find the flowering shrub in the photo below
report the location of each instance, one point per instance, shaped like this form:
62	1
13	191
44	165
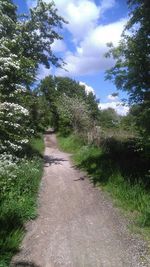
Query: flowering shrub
12	171
13	127
19	182
14	116
25	43
73	115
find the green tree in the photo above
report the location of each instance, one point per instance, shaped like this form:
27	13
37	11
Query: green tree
128	123
24	44
74	115
109	118
13	133
36	34
131	71
74	90
47	91
92	103
56	88
70	87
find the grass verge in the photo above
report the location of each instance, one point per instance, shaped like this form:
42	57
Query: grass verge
19	185
70	144
120	174
37	144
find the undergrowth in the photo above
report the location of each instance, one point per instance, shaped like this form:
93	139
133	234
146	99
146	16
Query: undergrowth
119	169
37	144
70	144
19	183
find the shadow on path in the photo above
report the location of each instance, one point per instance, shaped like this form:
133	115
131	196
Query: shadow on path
25	264
52	160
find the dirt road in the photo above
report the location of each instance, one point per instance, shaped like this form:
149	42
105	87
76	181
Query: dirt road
77	225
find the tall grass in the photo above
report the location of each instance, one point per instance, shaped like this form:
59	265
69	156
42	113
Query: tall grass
70	144
37	144
118	168
131	197
18	201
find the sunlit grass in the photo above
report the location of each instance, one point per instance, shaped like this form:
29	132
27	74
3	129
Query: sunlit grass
111	170
70	144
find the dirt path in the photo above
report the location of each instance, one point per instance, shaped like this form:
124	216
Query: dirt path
77	225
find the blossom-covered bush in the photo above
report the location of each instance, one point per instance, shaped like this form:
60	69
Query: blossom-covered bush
25	42
13	131
13	115
74	115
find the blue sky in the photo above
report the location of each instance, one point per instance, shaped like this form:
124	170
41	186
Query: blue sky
91	25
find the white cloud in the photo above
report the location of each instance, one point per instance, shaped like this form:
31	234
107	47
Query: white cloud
89	55
89	36
103	34
31	3
58	46
112	98
77	66
88	89
107	4
119	107
82	15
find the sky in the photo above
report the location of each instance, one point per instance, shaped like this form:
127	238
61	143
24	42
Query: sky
92	24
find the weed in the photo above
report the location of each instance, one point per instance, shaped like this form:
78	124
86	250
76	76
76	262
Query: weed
70	144
37	144
19	188
120	169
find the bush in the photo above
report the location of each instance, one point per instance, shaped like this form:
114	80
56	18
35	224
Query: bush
19	183
70	144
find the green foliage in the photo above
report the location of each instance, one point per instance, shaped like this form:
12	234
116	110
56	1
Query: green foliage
74	115
19	183
120	127
40	114
92	103
70	87
120	168
37	145
71	108
71	144
40	32
131	197
141	115
128	123
25	42
131	71
10	244
19	186
108	118
48	94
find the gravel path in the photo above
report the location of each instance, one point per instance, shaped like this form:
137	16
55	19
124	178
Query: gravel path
77	224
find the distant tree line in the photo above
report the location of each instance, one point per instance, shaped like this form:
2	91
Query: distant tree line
62	102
